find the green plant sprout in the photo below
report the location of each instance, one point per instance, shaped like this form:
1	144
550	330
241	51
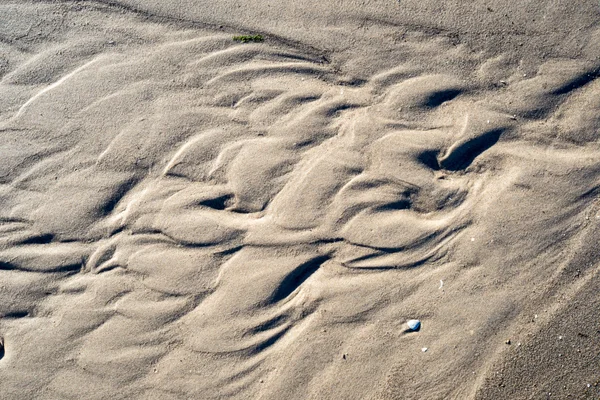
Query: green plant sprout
248	38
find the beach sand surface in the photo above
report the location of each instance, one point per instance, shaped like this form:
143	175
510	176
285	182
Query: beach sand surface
188	216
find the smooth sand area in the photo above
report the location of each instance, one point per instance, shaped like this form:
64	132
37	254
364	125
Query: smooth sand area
188	216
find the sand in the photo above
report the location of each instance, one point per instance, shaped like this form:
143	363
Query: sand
185	216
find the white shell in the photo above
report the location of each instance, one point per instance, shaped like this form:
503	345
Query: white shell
413	324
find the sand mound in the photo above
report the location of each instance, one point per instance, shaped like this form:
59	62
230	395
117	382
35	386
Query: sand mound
188	216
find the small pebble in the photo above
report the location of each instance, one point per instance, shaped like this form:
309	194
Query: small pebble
424	349
413	324
507	341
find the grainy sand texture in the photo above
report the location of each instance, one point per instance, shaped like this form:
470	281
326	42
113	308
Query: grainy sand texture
187	216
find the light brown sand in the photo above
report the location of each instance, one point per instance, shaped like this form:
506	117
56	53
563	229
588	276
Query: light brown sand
188	217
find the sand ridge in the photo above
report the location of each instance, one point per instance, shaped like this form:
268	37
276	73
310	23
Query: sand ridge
185	216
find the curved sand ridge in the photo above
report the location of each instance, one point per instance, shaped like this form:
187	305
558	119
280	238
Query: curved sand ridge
185	216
